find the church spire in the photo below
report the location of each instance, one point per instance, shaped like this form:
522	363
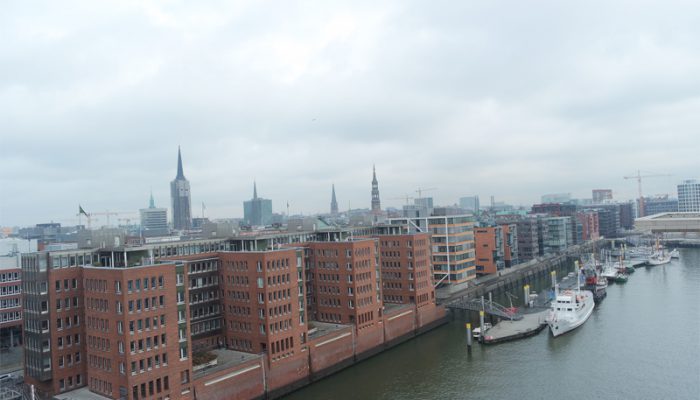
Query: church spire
334	202
376	205
180	174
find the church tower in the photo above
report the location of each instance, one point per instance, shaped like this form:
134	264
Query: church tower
376	205
180	196
334	202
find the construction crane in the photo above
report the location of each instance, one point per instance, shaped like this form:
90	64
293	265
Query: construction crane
639	177
107	214
407	198
421	190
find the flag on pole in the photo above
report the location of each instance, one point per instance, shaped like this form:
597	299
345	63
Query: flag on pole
81	211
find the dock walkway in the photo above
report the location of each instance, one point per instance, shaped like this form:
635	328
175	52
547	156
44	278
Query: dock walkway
530	325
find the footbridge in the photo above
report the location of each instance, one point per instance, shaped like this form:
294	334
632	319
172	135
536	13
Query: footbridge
488	307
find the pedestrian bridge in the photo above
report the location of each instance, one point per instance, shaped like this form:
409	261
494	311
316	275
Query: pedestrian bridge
489	307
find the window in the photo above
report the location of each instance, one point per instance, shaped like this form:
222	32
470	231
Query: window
130	285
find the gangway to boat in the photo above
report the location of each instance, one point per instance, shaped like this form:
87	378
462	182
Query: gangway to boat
489	307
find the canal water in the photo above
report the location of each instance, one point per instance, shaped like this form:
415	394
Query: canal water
642	342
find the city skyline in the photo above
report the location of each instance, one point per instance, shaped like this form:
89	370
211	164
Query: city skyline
308	97
279	206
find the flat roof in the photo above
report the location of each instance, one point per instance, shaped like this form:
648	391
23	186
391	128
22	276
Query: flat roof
225	359
393	307
324	328
670	216
80	394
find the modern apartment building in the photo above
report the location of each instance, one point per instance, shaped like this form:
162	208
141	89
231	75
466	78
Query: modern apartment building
602	195
489	246
689	196
496	248
452	239
588	220
659	204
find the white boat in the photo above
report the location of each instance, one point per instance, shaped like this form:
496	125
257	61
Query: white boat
675	253
570	309
659	258
477	331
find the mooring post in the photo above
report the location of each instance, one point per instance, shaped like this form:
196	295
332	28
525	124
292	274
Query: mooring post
469	336
526	288
481	321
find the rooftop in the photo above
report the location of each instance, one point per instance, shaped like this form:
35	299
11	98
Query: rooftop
225	359
80	394
323	328
671	216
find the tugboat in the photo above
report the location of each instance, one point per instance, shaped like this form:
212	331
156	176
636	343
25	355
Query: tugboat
621	277
595	283
570	309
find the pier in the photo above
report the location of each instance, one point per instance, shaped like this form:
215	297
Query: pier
504	331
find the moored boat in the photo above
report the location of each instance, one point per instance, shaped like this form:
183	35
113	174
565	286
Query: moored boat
659	258
621	277
569	309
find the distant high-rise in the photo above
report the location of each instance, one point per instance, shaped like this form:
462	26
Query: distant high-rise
257	211
556	198
470	203
376	204
181	200
154	221
689	196
601	195
334	202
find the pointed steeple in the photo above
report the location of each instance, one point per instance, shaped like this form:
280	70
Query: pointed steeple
376	204
151	202
180	174
334	202
255	190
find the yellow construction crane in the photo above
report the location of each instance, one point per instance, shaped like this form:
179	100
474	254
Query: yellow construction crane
639	177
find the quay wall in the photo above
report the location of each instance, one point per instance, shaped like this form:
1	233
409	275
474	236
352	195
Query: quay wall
321	357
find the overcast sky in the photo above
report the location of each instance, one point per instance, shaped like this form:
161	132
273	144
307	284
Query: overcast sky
507	98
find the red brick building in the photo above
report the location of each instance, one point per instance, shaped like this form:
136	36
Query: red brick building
272	319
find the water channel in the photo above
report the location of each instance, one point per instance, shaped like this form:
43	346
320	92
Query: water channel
642	342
